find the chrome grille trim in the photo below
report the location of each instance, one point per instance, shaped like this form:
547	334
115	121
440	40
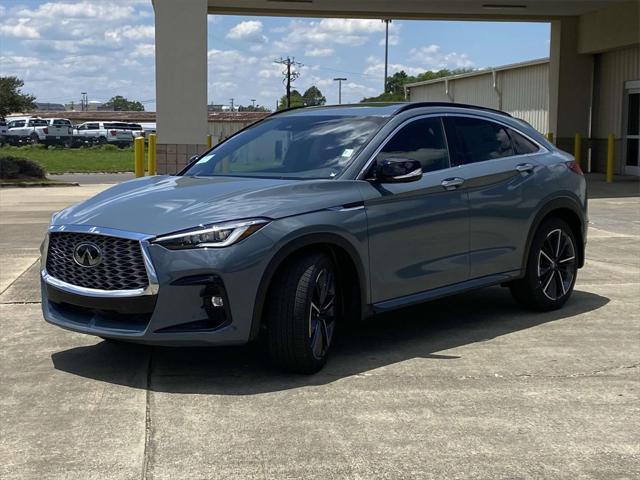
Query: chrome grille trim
143	239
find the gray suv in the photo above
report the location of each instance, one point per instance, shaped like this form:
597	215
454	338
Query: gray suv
318	216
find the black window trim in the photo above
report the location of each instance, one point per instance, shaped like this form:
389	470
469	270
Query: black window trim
362	175
541	148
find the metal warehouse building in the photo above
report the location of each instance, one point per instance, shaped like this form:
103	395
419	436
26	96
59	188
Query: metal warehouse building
592	84
522	89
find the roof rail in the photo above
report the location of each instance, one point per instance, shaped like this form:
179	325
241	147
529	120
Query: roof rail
410	105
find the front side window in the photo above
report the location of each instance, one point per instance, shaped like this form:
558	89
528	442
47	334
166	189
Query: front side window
290	147
61	122
422	140
92	126
17	124
477	140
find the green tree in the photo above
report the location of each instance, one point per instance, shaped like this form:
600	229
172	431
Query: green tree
12	99
296	100
397	81
313	96
121	104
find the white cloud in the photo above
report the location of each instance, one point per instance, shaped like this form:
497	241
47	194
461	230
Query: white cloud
249	30
393	41
144	50
431	57
105	10
130	32
319	52
334	31
22	29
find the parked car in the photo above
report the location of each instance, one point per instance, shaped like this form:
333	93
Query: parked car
3	132
102	133
53	131
318	216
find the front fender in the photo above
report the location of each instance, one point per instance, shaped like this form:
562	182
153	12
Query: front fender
345	229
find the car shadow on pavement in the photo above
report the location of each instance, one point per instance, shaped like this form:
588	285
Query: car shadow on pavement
425	331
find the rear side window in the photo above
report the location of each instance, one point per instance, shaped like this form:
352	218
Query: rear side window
92	126
521	144
422	140
477	140
61	122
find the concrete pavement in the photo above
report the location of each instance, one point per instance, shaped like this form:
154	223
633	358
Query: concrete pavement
466	387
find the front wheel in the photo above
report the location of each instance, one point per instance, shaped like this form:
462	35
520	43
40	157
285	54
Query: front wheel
302	313
551	268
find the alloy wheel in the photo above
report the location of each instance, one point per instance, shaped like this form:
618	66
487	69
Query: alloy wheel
556	264
322	313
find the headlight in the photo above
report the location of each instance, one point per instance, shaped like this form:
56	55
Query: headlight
216	236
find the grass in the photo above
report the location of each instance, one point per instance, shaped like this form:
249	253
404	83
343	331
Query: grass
58	160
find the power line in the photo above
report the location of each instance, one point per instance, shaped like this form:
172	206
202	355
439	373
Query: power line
289	74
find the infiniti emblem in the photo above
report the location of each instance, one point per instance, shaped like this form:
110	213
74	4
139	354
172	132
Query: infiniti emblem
87	254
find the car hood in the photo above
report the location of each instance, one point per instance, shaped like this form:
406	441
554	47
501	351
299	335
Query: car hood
164	204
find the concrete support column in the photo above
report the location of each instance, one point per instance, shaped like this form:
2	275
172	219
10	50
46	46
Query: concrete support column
181	81
570	84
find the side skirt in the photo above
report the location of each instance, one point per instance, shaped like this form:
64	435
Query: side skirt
440	292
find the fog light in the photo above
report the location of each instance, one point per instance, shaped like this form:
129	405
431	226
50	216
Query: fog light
217	301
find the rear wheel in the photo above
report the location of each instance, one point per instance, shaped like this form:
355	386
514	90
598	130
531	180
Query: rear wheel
302	313
34	139
551	268
102	141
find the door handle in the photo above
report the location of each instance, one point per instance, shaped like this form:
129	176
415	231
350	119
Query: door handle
524	167
452	183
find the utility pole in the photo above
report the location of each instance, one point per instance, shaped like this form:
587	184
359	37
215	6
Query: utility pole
84	102
290	76
387	21
340	80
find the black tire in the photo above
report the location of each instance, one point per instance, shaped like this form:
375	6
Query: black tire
299	332
102	141
34	139
552	268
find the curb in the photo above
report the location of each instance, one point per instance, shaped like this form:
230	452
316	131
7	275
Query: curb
38	184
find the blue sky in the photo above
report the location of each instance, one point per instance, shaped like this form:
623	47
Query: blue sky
106	48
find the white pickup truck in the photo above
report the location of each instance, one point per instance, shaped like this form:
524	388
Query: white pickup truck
102	133
49	131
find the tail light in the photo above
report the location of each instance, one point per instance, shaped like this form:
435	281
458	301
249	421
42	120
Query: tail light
113	133
574	167
45	130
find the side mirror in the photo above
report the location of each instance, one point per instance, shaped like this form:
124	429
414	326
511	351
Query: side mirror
398	170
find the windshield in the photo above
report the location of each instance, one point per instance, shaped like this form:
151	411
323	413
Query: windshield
292	147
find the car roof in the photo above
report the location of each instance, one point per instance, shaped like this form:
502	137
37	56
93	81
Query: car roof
380	109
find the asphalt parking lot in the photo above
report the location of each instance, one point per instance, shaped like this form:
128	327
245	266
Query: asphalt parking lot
466	387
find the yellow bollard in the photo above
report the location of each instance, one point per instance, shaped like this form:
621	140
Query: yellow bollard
138	156
151	163
209	141
610	157
550	136
577	150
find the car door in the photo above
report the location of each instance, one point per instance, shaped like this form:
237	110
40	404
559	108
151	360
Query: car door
418	231
499	167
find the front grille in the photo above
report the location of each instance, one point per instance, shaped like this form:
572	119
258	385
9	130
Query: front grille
122	266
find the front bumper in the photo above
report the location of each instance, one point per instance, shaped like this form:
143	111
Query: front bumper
176	308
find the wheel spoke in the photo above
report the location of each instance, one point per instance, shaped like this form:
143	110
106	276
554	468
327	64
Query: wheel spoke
547	283
544	254
559	243
568	259
316	341
564	290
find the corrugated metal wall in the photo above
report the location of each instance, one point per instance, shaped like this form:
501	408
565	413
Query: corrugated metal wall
612	69
525	92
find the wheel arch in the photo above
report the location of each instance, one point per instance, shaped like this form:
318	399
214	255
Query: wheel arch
345	256
568	210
